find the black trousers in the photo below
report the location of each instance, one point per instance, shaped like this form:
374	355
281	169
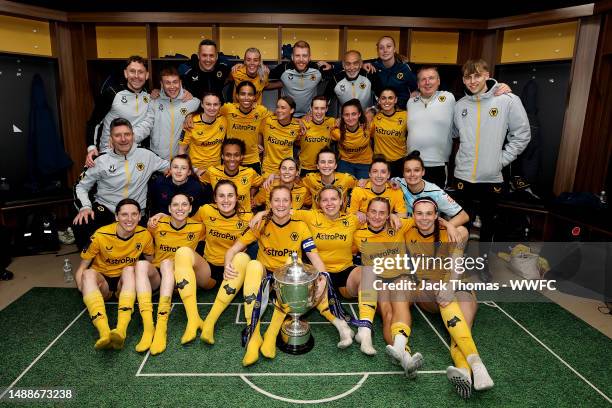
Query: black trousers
83	232
436	175
480	199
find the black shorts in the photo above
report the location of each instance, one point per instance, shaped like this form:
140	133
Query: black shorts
216	272
339	278
113	282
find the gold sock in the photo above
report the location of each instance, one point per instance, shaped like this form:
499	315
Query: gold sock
186	282
145	305
97	313
367	305
401	329
268	347
454	321
124	315
323	308
163	313
225	295
459	359
252	281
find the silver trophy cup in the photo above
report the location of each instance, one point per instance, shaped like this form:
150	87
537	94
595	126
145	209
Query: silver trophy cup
295	286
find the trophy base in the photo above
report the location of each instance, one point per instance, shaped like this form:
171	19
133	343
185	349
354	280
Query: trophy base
295	349
294	337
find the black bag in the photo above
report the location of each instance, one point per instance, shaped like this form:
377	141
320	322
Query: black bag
37	234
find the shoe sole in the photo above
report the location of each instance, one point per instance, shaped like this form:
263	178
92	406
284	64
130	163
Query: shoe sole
463	387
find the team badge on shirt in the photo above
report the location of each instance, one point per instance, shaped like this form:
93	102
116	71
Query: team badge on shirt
442	98
298	198
362	85
290	76
190	236
391	232
140	166
219	74
244	180
313	77
138	246
345	223
240	224
161	107
112	168
294	236
400	75
342	88
145	99
464	113
183	111
493	112
124	99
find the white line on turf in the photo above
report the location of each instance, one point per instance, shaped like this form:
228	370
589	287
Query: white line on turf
296	401
292	374
146	357
355	315
432	327
237	321
10	387
554	354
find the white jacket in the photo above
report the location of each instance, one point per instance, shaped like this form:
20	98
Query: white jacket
482	124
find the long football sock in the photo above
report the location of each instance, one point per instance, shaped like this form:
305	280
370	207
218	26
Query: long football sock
161	326
268	347
454	321
186	283
124	315
252	282
458	357
145	305
225	295
97	313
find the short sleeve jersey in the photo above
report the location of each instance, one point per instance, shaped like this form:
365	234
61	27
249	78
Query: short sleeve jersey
420	245
278	142
277	242
446	204
355	148
361	196
169	238
111	253
241	75
220	231
387	242
204	141
316	137
333	238
300	196
245	126
244	179
389	134
343	181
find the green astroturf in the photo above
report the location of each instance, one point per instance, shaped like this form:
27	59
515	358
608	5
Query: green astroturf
525	374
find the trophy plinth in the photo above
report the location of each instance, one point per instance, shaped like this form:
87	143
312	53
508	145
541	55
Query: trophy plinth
295	286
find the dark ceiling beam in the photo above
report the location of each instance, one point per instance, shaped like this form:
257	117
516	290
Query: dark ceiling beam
542	17
24	10
275	19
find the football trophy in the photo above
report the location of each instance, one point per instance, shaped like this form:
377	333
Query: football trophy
295	285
